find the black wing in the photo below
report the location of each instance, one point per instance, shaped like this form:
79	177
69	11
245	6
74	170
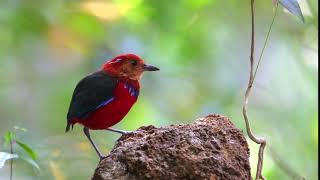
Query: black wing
92	92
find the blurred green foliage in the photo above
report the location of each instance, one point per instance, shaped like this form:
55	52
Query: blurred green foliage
11	141
202	49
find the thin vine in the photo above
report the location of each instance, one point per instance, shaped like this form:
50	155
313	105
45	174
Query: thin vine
252	74
266	40
11	160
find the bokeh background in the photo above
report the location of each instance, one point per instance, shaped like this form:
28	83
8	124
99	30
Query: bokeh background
202	49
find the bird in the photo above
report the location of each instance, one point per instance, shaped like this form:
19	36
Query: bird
103	98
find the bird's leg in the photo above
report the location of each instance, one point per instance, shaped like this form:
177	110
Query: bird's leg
118	131
87	133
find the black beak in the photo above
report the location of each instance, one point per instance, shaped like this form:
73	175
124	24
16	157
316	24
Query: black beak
147	67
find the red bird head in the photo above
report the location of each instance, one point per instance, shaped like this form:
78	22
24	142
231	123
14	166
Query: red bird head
127	66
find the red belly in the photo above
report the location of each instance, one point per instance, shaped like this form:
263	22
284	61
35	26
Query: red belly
112	113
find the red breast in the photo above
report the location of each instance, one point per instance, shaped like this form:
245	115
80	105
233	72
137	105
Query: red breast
125	96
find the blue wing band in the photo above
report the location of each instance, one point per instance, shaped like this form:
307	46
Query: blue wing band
105	103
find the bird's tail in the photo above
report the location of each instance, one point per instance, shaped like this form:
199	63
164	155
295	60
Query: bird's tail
69	126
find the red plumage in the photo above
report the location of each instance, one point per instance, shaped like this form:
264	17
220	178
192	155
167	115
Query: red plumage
111	113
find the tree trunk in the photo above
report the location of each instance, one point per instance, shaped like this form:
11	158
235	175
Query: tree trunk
210	148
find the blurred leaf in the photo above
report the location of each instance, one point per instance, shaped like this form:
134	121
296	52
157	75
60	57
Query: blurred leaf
27	22
27	149
85	25
198	4
135	11
31	162
8	137
293	7
4	156
20	128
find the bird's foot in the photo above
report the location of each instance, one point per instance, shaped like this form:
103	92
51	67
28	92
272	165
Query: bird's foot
119	131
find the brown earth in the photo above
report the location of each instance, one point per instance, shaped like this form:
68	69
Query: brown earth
210	148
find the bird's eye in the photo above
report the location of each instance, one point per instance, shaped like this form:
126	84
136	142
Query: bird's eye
133	62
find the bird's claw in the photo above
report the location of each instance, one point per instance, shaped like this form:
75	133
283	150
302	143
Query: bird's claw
127	132
102	157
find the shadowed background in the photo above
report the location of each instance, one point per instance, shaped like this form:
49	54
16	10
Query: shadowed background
202	49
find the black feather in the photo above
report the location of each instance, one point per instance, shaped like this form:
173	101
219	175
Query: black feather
90	93
68	126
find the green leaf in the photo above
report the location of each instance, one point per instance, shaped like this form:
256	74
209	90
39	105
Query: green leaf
293	7
27	149
4	156
30	161
8	137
